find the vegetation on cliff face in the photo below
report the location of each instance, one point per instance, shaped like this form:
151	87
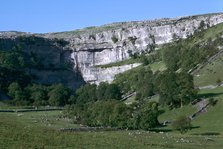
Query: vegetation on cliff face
187	54
180	58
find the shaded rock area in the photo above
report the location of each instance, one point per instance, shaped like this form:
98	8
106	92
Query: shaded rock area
51	64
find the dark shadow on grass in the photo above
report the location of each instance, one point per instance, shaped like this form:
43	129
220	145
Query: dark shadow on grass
207	134
157	130
195	127
161	111
207	95
165	129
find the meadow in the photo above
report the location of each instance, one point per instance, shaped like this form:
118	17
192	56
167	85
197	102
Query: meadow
19	133
42	130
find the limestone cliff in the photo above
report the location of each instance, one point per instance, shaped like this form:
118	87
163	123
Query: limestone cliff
87	48
111	43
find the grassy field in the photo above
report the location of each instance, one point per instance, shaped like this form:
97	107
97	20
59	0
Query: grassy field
209	74
47	119
206	123
18	132
41	130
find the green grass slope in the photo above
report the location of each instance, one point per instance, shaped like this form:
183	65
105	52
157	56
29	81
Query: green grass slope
209	122
210	73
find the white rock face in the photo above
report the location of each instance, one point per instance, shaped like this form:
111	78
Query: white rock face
111	43
98	75
91	48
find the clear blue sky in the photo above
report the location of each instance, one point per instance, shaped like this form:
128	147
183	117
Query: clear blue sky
41	16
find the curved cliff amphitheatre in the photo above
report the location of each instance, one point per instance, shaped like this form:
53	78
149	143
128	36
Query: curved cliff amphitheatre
140	84
87	48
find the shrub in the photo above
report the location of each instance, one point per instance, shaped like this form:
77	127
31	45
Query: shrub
58	95
132	40
218	81
114	39
182	124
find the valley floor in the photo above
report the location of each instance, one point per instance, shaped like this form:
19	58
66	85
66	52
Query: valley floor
16	133
42	130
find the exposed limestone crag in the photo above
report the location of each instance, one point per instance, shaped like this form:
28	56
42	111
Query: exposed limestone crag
87	48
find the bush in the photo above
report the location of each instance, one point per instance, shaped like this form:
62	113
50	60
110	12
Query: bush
144	60
37	94
16	92
114	39
218	82
132	39
86	93
58	95
182	124
212	101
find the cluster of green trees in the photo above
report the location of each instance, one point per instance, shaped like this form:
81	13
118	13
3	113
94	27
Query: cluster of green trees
140	80
114	113
13	59
38	95
59	95
91	93
15	63
16	82
101	105
12	65
175	88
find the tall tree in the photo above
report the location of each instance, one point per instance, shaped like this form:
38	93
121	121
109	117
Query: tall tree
86	94
37	94
58	95
16	92
186	88
175	89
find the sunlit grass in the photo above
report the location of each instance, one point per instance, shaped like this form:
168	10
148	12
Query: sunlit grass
16	133
209	74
